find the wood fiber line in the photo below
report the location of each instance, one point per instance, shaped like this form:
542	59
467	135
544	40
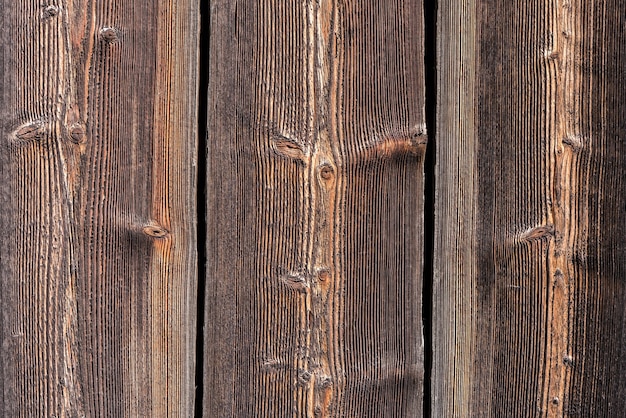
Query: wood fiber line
97	189
316	139
454	295
528	304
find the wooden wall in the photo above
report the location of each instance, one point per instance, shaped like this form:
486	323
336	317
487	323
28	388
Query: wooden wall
318	208
97	192
316	140
530	256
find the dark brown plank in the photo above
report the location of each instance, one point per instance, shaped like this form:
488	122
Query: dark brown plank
97	197
316	140
529	315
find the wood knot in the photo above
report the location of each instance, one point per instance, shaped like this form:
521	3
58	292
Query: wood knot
325	382
539	233
327	172
323	275
30	132
49	12
551	55
272	364
304	377
288	148
155	231
574	142
295	281
109	34
394	148
77	133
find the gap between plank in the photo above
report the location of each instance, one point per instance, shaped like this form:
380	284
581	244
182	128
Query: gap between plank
430	68
205	26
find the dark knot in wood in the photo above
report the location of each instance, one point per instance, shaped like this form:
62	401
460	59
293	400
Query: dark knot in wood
155	231
109	35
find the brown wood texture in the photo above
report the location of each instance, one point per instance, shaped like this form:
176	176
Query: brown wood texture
97	191
316	138
529	284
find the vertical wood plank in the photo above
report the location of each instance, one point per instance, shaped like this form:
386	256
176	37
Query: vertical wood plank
529	291
97	189
316	141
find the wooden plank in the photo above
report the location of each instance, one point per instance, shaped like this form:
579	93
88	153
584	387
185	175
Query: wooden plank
97	190
316	140
529	315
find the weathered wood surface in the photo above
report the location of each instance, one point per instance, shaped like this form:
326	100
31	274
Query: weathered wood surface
530	259
316	139
97	184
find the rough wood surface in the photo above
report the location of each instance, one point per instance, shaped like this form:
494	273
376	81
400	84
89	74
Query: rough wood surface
529	287
97	191
316	140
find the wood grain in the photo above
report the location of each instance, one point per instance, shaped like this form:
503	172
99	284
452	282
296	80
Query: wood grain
529	255
97	190
316	140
